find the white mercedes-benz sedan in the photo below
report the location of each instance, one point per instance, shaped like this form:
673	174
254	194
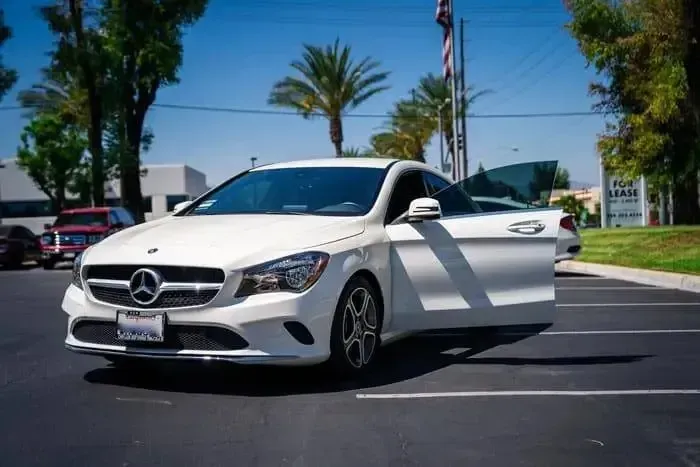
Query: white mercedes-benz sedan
316	261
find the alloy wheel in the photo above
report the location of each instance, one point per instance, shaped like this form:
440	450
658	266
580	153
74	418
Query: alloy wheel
359	330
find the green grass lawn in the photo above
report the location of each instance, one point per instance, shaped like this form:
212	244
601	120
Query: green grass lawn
673	249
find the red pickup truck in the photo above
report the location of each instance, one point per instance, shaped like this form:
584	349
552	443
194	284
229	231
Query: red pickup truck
74	230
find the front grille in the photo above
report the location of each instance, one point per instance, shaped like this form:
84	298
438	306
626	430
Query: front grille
177	337
170	273
166	299
71	239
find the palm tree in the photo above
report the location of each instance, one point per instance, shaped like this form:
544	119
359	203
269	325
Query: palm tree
406	134
56	93
331	84
431	94
353	151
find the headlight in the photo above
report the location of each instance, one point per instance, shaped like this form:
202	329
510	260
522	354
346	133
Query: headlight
47	239
77	263
295	273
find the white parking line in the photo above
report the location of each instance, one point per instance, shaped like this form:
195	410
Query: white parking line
636	287
144	400
605	305
577	333
629	331
631	392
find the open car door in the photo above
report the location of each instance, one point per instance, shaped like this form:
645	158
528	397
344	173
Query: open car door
475	268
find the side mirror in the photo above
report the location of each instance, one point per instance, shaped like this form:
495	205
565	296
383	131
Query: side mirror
181	206
424	209
47	226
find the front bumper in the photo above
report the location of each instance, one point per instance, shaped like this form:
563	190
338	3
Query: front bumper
253	330
62	254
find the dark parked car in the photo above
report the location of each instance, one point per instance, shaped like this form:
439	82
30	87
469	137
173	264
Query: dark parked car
17	245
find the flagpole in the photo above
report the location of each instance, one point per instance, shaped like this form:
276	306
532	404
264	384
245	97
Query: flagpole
463	98
456	163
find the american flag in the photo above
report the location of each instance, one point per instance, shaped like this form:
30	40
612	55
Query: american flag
443	18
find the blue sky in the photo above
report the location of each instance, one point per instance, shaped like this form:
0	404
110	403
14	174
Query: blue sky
516	48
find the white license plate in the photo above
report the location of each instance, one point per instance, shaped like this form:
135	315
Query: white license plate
68	255
140	326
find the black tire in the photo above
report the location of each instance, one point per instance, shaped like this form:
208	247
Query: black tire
16	261
346	359
48	264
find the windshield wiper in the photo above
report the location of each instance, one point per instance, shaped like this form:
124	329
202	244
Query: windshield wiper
294	213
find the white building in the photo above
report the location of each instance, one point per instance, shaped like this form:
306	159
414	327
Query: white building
163	186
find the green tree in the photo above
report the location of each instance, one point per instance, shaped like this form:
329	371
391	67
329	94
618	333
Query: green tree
571	205
407	133
641	48
413	122
433	95
691	20
561	179
353	151
480	169
120	53
143	40
330	83
8	76
60	94
51	154
79	54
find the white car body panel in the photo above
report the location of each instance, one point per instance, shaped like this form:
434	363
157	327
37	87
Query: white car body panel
495	277
200	240
473	271
566	239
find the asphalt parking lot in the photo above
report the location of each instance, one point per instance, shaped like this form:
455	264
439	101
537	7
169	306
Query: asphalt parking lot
614	382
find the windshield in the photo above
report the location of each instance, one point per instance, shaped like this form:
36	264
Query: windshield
323	191
82	218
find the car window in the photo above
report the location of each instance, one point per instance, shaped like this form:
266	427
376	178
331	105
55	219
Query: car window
125	216
23	232
322	191
527	185
81	218
408	187
489	206
453	200
113	219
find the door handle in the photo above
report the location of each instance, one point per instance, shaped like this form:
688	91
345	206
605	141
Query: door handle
527	227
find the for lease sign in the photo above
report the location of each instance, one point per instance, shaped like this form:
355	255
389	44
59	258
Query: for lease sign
625	202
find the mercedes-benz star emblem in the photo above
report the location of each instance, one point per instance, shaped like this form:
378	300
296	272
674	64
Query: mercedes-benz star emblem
144	286
152	250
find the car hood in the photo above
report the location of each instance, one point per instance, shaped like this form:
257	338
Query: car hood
228	241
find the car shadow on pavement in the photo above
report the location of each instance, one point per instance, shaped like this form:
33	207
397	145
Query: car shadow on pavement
573	274
401	361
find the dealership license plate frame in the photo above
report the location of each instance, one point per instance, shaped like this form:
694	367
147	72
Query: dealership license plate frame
70	255
149	326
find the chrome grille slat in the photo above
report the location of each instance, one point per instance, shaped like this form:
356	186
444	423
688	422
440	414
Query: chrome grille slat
183	274
176	293
166	298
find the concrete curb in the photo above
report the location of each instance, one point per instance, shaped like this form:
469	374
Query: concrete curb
687	282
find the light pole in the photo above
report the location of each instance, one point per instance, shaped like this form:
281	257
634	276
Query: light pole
443	164
2	166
